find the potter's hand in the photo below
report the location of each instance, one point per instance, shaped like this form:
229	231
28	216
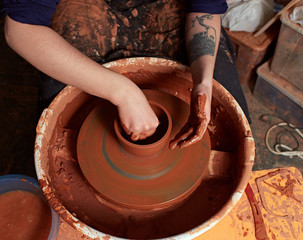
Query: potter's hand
136	116
196	124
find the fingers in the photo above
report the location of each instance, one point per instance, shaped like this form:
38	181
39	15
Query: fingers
147	133
135	135
125	128
188	135
182	134
191	140
199	132
141	136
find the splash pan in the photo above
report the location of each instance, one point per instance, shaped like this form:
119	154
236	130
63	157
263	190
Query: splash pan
210	193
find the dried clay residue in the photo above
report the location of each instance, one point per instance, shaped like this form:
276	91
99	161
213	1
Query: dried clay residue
72	190
281	199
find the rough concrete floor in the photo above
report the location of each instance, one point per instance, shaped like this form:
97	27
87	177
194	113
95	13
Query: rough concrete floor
262	119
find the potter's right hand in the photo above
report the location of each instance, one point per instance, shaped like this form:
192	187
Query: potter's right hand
50	53
136	116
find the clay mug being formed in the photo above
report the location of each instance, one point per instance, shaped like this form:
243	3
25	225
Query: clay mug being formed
153	144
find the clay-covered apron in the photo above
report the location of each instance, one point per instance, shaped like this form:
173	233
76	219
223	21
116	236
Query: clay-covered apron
107	30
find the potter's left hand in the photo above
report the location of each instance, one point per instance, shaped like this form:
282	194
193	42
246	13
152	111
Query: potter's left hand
196	124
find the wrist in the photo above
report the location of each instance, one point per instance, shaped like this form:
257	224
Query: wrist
124	89
203	87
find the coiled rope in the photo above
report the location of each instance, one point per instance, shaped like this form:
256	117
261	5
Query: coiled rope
282	148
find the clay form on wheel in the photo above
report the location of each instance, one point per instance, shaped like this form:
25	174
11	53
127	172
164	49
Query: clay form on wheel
151	145
150	179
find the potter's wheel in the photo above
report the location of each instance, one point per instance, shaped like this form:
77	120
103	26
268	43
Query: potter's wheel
158	181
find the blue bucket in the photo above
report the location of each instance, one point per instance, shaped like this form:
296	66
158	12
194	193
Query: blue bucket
14	182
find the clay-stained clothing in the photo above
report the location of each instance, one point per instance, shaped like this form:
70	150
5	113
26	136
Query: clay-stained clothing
39	12
107	30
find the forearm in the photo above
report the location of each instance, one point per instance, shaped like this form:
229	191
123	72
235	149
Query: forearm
51	54
202	40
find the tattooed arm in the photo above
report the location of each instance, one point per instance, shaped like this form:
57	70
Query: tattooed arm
202	39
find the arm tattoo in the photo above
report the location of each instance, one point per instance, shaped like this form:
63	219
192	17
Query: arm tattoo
204	42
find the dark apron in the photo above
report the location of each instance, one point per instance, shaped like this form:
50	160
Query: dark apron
107	30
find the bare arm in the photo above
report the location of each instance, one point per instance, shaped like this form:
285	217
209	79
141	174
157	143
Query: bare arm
202	38
50	53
